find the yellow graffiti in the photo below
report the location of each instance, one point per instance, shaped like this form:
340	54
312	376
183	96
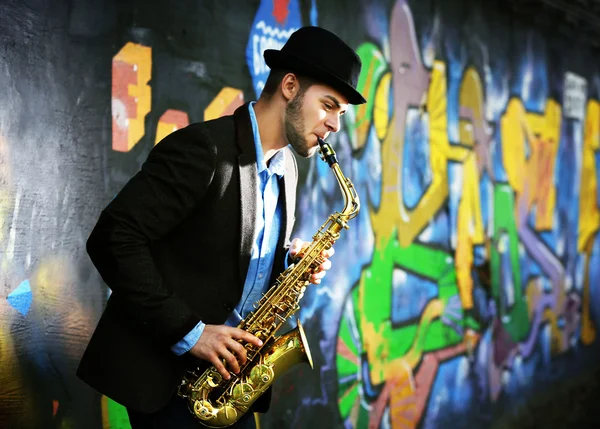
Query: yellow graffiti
392	213
381	116
551	319
405	410
588	330
469	223
131	95
362	122
104	411
8	358
589	215
225	103
470	97
531	172
534	293
432	311
52	281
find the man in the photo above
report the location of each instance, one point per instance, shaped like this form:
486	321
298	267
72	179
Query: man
196	237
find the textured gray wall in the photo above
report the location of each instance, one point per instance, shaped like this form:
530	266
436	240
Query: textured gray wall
405	332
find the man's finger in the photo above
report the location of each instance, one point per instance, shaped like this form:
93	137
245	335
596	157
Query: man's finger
328	253
232	362
220	367
238	349
319	275
240	334
296	245
323	267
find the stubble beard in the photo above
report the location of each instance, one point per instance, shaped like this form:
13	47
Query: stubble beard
294	128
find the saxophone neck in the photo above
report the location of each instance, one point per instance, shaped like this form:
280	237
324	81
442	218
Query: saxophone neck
352	202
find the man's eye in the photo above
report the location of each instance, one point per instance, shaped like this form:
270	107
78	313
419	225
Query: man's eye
327	106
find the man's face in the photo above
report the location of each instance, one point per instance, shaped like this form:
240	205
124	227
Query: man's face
314	113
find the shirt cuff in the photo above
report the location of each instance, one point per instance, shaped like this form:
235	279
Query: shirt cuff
189	340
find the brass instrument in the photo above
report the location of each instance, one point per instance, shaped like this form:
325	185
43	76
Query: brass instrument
217	402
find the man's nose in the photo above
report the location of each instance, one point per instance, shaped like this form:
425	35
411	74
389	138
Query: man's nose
333	122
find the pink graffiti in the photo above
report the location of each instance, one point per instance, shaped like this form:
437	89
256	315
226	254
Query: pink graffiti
410	77
411	407
483	142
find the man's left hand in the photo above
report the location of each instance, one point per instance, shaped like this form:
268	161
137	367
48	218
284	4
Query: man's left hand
297	249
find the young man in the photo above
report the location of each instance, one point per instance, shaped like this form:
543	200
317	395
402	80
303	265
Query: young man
196	237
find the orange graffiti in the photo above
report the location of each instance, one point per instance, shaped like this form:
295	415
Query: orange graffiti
131	95
171	120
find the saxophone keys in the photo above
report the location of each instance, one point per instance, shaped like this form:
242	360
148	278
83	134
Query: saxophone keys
214	378
243	392
201	409
261	374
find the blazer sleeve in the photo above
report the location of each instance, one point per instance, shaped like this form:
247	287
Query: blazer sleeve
169	185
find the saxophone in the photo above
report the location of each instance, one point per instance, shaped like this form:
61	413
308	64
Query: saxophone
217	402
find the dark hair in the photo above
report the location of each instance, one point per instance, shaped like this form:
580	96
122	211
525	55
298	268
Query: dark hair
276	76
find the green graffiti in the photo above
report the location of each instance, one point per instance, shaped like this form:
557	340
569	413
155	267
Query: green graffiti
370	84
117	416
367	335
506	269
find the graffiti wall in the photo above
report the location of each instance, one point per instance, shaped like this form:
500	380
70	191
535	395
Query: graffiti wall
466	286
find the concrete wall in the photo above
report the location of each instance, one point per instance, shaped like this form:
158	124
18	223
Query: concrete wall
467	285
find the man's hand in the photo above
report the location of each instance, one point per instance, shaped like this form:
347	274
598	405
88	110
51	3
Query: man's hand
297	248
218	343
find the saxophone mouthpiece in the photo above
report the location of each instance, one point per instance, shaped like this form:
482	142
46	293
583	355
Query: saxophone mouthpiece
327	152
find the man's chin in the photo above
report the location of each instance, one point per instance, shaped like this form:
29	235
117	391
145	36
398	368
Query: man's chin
308	153
304	151
312	151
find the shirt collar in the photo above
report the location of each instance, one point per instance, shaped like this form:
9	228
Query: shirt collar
277	162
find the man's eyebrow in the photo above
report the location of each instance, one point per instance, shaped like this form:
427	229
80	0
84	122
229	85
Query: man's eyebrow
335	100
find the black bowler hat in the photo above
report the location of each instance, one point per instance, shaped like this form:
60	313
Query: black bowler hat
317	53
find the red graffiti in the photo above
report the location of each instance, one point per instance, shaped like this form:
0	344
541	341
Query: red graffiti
124	74
280	10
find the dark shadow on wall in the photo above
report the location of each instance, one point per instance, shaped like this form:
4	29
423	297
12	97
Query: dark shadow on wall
572	404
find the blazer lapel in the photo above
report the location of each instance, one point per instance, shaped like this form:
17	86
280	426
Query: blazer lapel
248	184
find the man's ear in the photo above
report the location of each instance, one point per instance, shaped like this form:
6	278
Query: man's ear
289	86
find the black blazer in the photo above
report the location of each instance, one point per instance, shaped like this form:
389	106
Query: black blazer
174	248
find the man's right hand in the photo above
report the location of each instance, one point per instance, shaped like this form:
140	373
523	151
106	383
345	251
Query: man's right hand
218	343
